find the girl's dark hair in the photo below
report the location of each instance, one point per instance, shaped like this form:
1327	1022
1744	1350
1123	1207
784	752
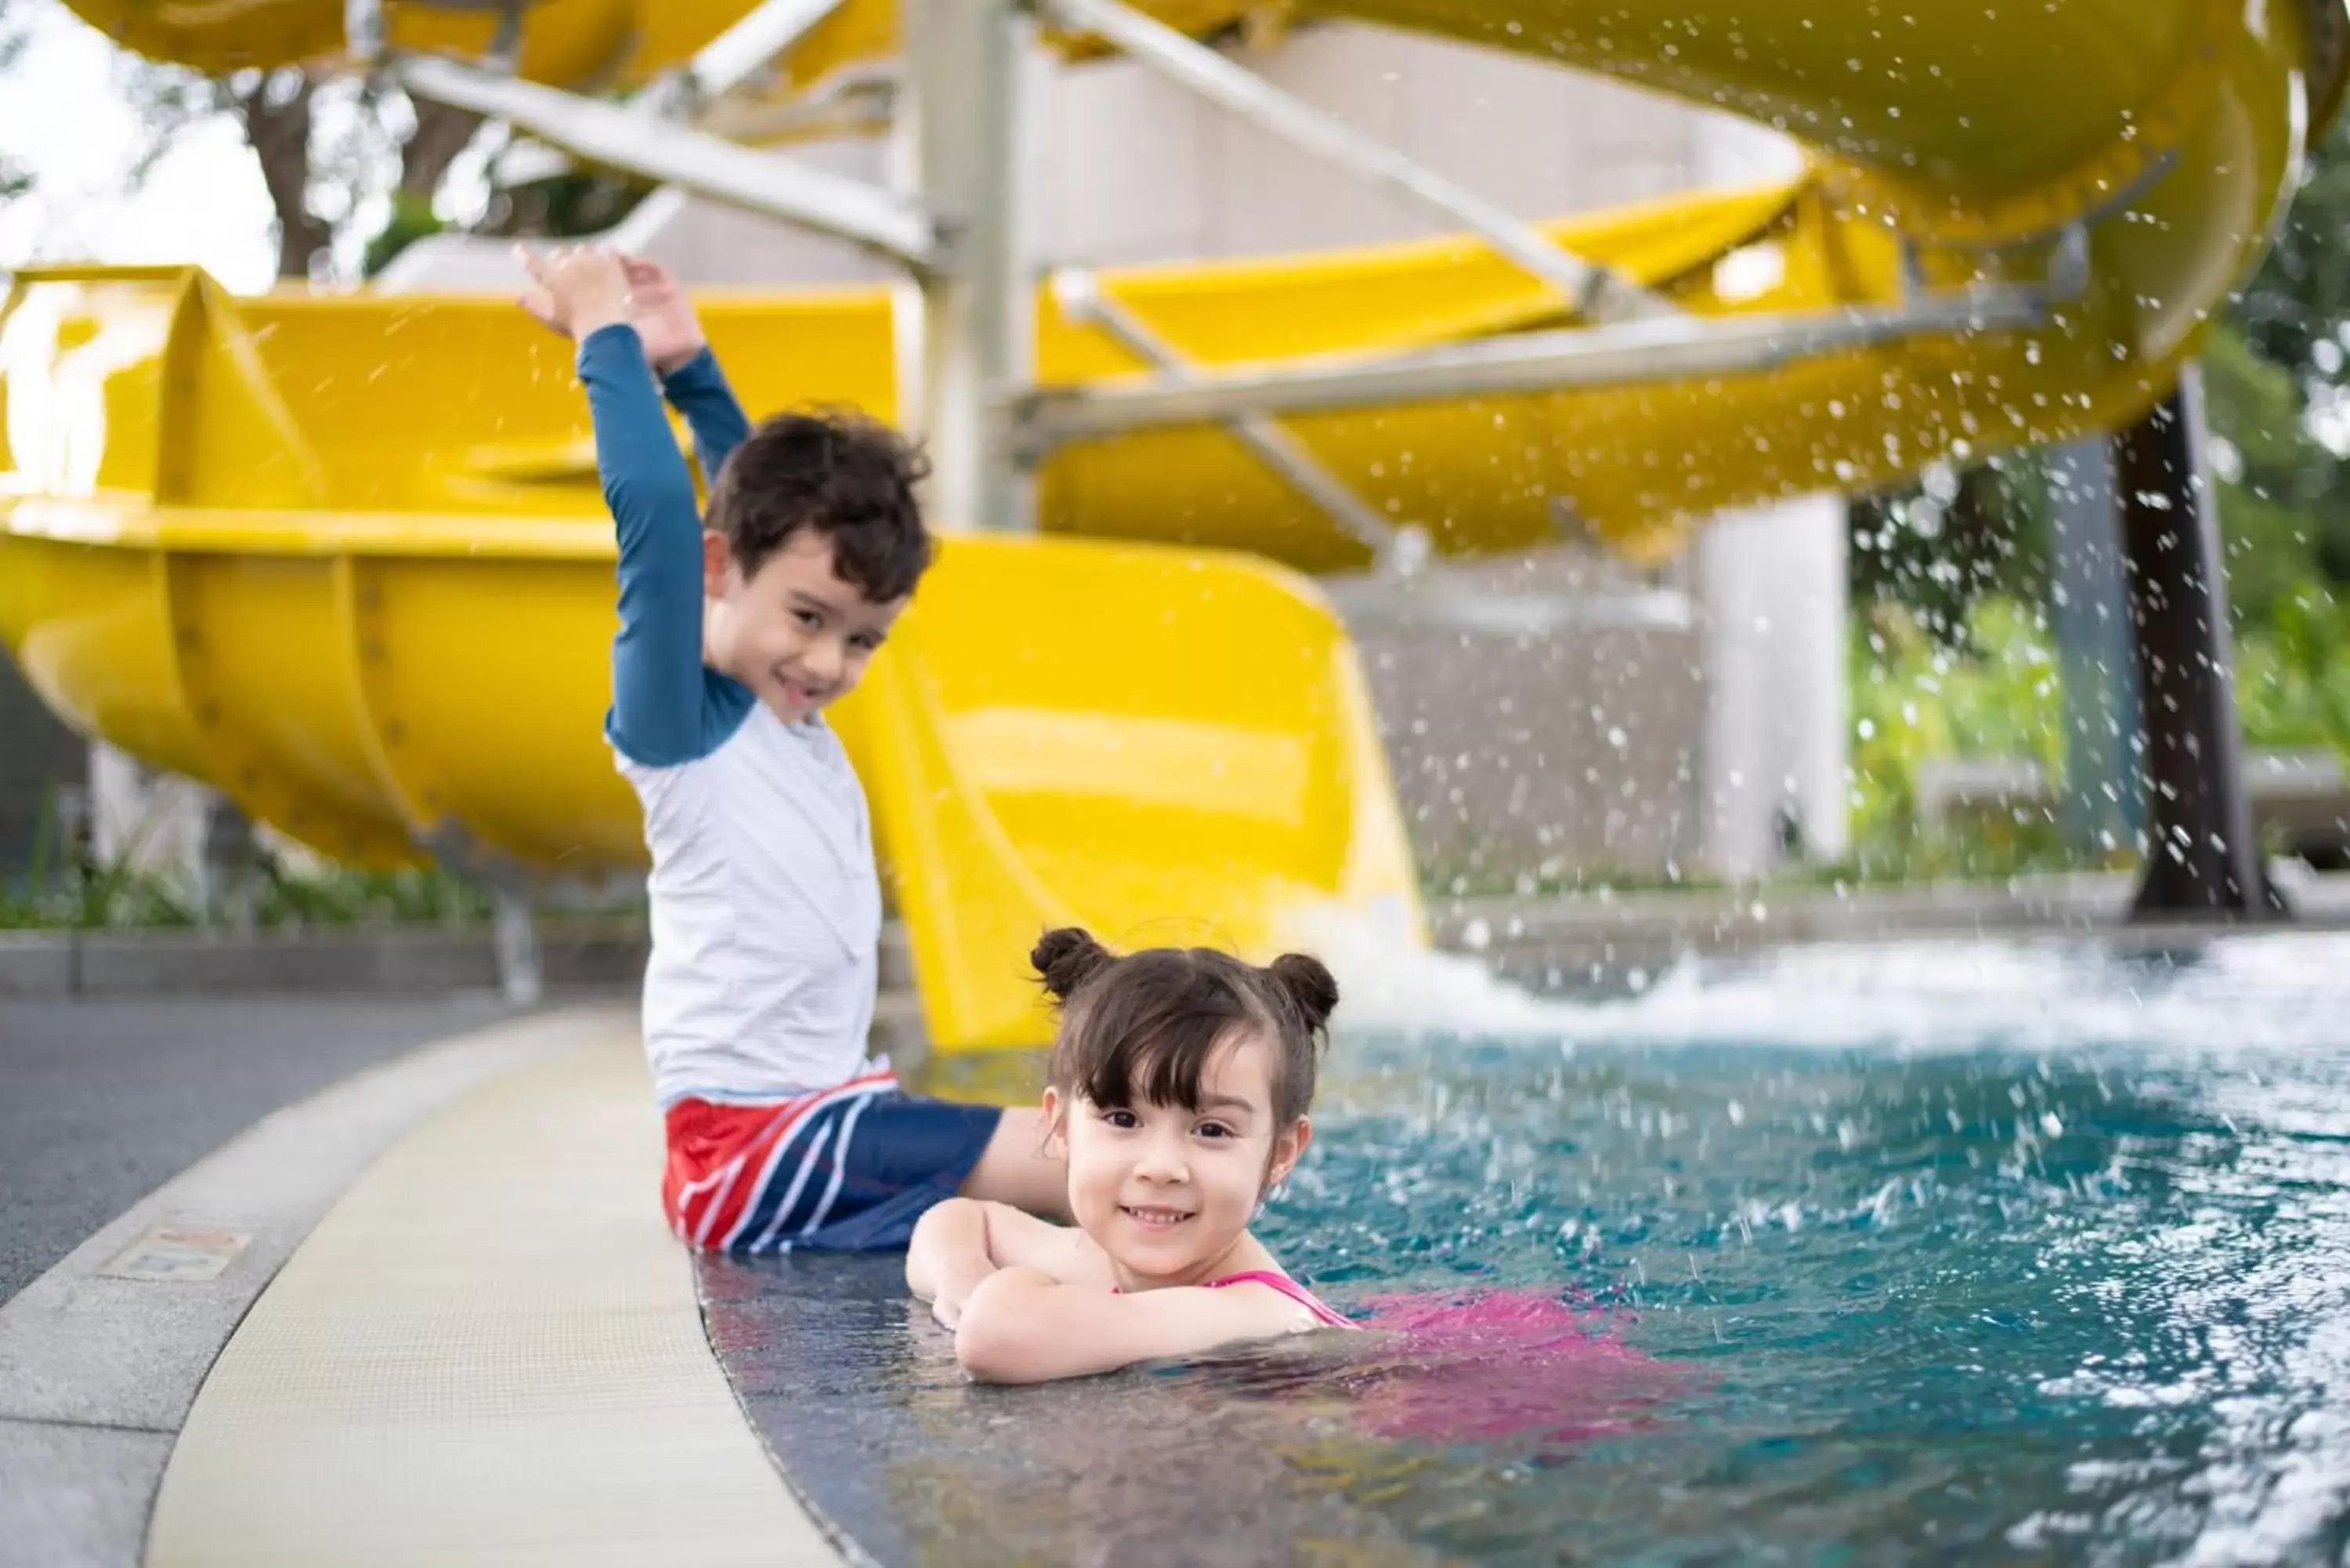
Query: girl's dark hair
1141	1028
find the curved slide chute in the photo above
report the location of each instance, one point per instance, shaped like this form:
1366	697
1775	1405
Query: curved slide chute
345	559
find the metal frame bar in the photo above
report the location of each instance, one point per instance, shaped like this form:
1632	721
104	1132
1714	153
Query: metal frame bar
1597	291
744	50
959	222
1627	354
673	154
720	65
1081	299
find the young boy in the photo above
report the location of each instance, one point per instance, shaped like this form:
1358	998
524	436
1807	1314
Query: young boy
737	630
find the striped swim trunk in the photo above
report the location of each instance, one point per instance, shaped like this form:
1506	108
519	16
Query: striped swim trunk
849	1168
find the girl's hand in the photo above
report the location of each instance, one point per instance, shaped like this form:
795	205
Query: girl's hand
662	314
955	1288
577	290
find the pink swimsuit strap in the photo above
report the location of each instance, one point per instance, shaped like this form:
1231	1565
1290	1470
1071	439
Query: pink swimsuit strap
1288	1287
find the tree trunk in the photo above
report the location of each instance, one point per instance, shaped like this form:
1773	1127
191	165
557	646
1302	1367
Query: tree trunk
280	134
442	132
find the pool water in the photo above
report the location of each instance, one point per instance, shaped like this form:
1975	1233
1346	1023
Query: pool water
1888	1253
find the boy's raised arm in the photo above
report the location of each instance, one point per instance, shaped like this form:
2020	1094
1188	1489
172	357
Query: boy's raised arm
657	672
698	390
680	351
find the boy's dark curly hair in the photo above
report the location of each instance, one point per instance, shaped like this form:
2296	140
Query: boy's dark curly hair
849	477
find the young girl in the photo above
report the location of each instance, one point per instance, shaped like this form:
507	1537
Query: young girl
1178	1092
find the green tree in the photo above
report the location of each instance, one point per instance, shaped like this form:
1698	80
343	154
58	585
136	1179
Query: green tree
2295	308
1960	537
2285	368
324	144
2276	369
2277	486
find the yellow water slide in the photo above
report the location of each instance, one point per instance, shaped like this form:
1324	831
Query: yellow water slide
345	557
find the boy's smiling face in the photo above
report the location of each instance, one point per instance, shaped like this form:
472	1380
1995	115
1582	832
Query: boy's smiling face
794	632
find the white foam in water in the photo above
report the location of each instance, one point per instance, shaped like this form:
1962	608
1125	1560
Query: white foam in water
2266	991
1388	983
2236	994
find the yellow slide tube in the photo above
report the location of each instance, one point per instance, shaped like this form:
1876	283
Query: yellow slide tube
345	559
2169	131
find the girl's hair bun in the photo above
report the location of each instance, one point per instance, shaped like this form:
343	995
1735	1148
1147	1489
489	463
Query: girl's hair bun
1067	957
1309	985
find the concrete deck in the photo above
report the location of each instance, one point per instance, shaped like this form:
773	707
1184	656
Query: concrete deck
429	1314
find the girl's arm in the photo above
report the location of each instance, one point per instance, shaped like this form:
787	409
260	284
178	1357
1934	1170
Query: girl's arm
1022	1325
959	1242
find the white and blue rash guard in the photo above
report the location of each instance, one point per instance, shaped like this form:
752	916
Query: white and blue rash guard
766	907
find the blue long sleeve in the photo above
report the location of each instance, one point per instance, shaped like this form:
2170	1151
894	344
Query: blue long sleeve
698	390
667	709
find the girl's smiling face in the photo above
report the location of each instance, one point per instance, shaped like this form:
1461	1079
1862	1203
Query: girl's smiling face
1168	1190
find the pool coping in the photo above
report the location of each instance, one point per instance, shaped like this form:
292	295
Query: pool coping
490	1337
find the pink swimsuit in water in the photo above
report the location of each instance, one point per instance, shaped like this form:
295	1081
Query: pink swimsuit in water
1288	1287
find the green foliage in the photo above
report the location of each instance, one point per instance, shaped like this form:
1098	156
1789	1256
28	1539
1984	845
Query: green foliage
2296	307
1993	691
1957	536
2283	517
1945	663
411	218
563	205
2292	677
120	897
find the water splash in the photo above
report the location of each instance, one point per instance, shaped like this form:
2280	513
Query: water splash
2231	994
1390	984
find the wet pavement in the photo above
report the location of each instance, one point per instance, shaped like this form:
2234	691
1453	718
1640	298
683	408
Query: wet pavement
1246	1457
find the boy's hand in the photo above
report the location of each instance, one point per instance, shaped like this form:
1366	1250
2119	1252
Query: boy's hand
578	290
662	314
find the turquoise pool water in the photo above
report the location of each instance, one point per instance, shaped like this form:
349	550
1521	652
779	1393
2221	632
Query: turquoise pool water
2041	1251
1878	1254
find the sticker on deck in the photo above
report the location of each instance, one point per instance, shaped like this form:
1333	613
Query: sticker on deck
179	1253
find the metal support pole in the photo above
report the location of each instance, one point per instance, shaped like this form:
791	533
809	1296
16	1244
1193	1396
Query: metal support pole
2095	658
972	65
1081	299
1599	292
2202	856
705	165
522	974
